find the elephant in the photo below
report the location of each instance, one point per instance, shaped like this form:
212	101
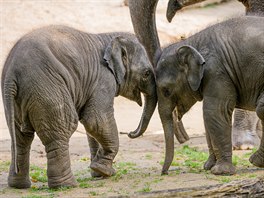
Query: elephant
223	66
244	131
172	103
253	7
56	76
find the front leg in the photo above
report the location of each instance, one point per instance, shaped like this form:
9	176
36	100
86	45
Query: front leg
99	122
217	118
94	147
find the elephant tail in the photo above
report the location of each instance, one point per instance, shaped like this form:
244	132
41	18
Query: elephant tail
9	94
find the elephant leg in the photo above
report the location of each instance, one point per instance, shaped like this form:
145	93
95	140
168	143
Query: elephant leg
94	147
245	130
102	127
257	158
217	119
59	166
55	120
23	143
211	159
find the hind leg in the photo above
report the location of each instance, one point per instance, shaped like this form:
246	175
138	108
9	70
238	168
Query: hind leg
257	158
59	166
55	120
23	143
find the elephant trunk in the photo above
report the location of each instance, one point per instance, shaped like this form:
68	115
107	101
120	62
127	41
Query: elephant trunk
168	126
143	16
149	108
175	5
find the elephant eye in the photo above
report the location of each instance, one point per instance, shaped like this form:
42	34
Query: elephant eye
146	74
166	92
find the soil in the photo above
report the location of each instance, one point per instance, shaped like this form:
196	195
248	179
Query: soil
138	161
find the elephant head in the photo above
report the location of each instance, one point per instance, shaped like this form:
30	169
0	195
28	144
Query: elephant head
143	19
129	63
178	77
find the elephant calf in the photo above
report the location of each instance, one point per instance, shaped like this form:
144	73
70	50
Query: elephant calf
57	75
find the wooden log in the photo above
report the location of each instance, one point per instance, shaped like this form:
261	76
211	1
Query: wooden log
238	188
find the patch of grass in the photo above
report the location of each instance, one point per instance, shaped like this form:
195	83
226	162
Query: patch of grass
148	156
93	193
38	174
225	179
189	157
85	159
122	168
4	166
35	196
146	188
85	185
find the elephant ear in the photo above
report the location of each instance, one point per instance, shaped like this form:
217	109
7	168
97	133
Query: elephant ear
189	57
116	57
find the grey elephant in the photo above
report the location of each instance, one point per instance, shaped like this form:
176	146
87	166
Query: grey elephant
246	132
54	77
217	65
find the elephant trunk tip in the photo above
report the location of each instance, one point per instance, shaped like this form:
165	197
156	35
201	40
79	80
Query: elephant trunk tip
134	134
164	172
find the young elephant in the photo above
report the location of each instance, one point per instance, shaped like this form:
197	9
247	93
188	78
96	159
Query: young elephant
55	76
222	65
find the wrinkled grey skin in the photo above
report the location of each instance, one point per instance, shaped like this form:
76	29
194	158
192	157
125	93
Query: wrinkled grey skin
143	18
55	76
216	67
220	147
245	130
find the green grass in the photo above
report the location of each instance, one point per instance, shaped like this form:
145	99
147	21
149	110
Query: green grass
123	168
146	188
38	174
189	157
4	166
148	156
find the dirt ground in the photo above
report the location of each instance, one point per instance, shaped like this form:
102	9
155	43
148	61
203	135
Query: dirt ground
138	161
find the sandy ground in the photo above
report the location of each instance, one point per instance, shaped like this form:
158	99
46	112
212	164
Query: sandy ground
20	17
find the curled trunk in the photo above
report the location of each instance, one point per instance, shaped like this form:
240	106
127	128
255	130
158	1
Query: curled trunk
149	108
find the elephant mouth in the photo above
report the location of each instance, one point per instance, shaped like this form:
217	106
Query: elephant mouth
180	112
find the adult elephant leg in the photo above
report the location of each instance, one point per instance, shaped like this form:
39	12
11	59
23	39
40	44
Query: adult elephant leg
94	147
245	130
257	158
217	119
23	143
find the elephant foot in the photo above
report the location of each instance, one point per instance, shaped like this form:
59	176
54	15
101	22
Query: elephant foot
95	174
20	182
223	168
57	183
104	170
257	159
211	161
243	146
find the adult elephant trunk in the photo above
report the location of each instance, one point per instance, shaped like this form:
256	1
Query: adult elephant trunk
143	16
149	108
